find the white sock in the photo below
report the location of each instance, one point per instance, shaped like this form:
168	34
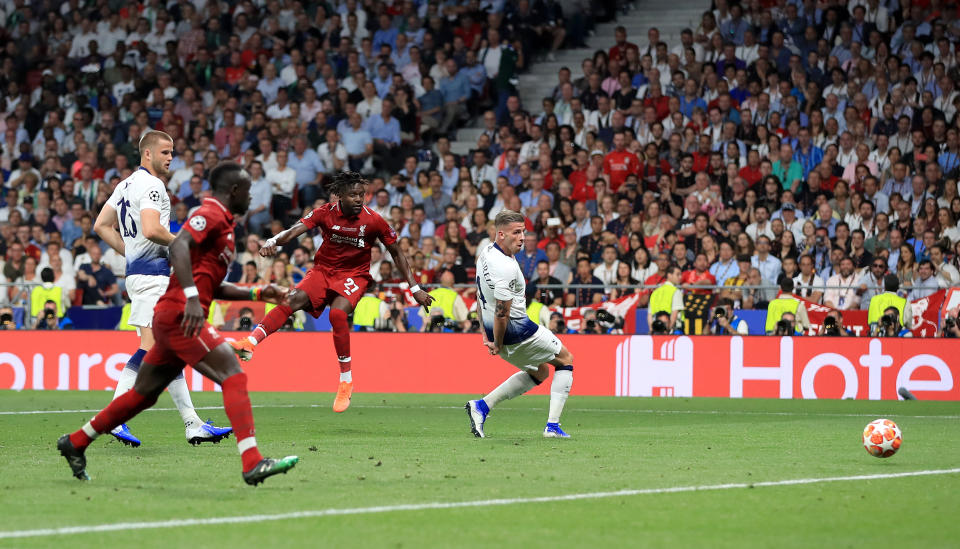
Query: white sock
513	386
252	340
126	381
347	376
559	391
181	398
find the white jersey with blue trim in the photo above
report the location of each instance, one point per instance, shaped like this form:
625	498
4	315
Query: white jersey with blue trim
142	191
499	278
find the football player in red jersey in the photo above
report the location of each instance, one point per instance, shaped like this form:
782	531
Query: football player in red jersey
200	256
340	274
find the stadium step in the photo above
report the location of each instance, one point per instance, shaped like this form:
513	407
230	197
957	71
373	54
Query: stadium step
669	16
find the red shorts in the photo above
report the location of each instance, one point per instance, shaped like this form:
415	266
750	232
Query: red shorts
322	289
172	347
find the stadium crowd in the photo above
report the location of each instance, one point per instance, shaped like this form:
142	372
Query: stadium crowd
809	142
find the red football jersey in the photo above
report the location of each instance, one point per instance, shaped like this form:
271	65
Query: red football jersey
346	241
618	165
692	277
212	229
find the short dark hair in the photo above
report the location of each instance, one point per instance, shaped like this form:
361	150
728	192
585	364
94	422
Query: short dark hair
786	285
223	176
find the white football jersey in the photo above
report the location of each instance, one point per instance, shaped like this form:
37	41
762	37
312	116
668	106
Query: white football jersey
499	277
142	191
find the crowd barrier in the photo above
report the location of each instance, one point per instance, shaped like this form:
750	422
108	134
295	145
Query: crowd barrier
678	366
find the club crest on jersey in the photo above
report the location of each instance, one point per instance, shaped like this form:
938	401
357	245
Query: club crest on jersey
362	228
198	223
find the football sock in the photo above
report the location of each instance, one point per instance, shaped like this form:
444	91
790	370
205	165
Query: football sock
181	398
121	410
559	391
514	386
128	375
341	336
236	402
270	323
346	376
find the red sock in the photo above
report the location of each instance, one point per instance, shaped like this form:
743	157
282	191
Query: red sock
272	322
121	410
341	337
236	402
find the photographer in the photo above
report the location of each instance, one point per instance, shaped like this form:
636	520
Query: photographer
950	327
833	326
589	325
6	319
243	323
889	299
47	318
557	324
371	313
725	322
787	303
786	326
453	311
667	299
890	324
661	325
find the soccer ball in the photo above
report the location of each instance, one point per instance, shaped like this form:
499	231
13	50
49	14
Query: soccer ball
882	438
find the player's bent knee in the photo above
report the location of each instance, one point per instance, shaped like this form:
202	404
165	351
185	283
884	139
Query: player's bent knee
338	316
298	300
219	364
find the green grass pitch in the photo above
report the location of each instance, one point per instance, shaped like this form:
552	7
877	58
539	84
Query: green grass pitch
390	450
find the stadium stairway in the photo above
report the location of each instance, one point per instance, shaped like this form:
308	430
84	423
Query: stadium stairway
669	16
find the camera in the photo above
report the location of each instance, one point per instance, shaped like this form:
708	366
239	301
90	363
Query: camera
821	241
720	312
6	321
591	324
830	327
949	324
783	327
245	323
659	327
887	320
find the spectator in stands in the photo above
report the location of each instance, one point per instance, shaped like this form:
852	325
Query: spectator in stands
925	283
97	283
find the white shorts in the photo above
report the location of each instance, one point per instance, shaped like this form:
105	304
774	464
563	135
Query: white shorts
144	291
528	355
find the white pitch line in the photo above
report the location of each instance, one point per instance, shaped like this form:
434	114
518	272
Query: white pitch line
179	523
591	410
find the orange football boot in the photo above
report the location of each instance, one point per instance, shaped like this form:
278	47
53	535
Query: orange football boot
344	391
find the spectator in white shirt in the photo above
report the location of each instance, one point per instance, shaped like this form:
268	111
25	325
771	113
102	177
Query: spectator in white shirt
332	154
842	288
283	180
607	270
258	216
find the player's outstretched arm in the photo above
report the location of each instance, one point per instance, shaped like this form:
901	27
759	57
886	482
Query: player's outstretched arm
269	248
422	297
193	317
271	293
103	226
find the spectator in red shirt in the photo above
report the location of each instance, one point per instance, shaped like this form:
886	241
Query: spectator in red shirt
700	275
619	50
751	172
701	157
619	163
656	99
